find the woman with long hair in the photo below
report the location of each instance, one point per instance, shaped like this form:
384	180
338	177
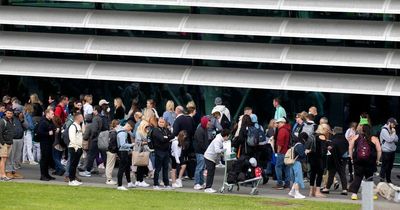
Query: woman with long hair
365	157
169	114
119	113
29	128
317	158
37	107
178	148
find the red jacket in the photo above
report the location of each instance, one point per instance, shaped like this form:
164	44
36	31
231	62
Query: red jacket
61	113
283	138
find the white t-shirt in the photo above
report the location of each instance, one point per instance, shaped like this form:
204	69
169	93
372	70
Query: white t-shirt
87	109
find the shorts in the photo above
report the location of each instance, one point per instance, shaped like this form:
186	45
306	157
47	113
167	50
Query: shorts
5	150
174	165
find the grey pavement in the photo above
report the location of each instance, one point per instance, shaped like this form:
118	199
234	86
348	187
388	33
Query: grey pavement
32	174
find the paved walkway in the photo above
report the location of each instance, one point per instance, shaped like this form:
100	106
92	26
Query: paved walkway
32	174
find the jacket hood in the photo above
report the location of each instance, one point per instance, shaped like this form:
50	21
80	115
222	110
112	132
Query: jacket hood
204	121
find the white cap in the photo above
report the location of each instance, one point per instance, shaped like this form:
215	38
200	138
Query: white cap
103	101
281	120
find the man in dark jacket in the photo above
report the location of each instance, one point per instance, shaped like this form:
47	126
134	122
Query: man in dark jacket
200	142
92	133
336	162
161	137
6	140
14	161
46	131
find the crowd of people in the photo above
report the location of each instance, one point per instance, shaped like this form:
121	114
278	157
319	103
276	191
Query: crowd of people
66	138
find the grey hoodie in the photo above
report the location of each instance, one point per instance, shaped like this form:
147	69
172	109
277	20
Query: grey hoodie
388	140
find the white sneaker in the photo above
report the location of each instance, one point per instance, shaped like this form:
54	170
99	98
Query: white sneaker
156	188
111	182
122	188
292	193
168	188
298	195
210	190
33	163
143	184
198	187
175	185
131	185
179	183
74	183
220	165
85	174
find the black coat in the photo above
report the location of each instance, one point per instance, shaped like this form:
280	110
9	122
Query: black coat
6	131
161	138
200	140
45	126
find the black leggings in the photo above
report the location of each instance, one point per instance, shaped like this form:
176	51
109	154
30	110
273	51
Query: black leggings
317	170
124	167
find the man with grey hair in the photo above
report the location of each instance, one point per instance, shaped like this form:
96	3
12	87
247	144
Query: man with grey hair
219	107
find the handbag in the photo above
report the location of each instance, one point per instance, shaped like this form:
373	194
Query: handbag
140	158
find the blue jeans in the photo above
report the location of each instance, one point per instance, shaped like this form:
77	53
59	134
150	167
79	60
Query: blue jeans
198	174
297	174
281	168
57	155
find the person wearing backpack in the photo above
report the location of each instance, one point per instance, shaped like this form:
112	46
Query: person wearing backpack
112	152
124	148
14	160
296	170
262	152
75	148
317	159
6	141
240	143
365	157
161	137
388	138
92	133
281	147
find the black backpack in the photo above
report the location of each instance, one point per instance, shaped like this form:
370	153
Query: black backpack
36	132
65	133
113	145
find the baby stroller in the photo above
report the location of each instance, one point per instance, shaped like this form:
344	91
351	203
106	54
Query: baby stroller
240	172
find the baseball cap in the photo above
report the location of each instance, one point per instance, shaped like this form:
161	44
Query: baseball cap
103	101
218	101
281	120
392	120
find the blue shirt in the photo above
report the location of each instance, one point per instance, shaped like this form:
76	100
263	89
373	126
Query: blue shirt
169	117
123	144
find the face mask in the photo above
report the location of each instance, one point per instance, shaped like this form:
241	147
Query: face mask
108	109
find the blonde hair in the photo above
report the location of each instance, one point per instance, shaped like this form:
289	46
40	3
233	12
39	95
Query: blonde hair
142	128
324	129
148	114
28	108
88	99
119	103
170	106
191	107
34	98
272	123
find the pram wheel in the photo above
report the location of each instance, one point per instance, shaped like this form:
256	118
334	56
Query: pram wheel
222	190
254	191
230	188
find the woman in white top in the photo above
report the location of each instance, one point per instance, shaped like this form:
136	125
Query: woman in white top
350	133
177	148
87	107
